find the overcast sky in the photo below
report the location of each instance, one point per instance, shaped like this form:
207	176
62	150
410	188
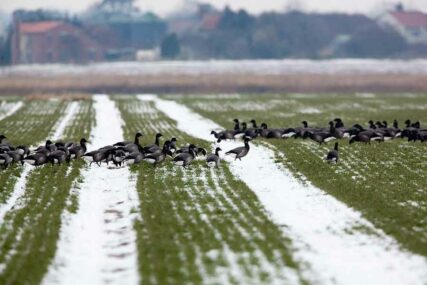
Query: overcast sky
164	7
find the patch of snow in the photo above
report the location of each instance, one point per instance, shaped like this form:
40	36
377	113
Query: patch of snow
70	112
10	109
224	67
97	245
309	110
317	223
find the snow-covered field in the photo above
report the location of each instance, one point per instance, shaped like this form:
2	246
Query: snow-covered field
320	226
320	239
262	67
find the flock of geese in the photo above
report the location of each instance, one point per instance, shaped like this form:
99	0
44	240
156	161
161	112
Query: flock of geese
119	154
132	152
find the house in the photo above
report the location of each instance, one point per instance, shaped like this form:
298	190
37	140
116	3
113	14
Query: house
52	41
411	25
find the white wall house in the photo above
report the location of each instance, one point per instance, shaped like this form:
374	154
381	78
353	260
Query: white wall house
411	25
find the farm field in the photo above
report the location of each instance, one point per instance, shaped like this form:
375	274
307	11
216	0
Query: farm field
81	224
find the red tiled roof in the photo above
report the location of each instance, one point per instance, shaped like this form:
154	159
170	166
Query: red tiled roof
210	22
410	19
38	27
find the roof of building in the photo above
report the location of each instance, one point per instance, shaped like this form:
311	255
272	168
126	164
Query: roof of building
38	27
410	19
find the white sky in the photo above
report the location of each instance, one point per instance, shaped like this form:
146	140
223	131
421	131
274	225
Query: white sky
164	7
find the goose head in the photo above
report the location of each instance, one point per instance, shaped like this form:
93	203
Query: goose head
2	137
305	124
253	122
48	143
158	135
174	140
236	121
264	126
138	135
336	146
83	141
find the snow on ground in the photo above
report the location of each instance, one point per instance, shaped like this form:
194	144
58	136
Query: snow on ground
264	67
9	109
325	232
19	187
97	244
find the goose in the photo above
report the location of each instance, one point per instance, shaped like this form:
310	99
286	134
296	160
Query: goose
338	123
154	147
133	158
185	158
136	140
197	150
236	124
319	137
23	150
240	152
49	146
118	157
213	158
98	156
77	151
36	159
240	133
224	135
263	131
58	156
252	132
5	160
359	138
336	133
172	145
157	158
333	155
3	142
16	156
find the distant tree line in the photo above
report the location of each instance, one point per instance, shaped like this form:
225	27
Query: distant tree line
294	34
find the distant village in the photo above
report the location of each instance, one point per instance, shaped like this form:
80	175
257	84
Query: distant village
116	30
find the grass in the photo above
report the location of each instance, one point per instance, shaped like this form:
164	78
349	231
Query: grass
30	231
198	224
29	125
386	182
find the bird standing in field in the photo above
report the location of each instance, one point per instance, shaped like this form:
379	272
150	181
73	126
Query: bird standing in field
213	158
240	152
333	155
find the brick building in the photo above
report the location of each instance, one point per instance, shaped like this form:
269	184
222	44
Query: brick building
52	41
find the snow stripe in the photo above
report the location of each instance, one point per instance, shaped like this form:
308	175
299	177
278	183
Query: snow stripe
19	188
325	232
97	245
70	112
13	108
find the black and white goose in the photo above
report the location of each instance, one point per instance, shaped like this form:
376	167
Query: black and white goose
157	158
172	145
133	158
213	159
153	147
5	160
135	141
98	156
197	150
58	156
36	159
240	152
77	151
16	156
184	159
49	147
333	155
